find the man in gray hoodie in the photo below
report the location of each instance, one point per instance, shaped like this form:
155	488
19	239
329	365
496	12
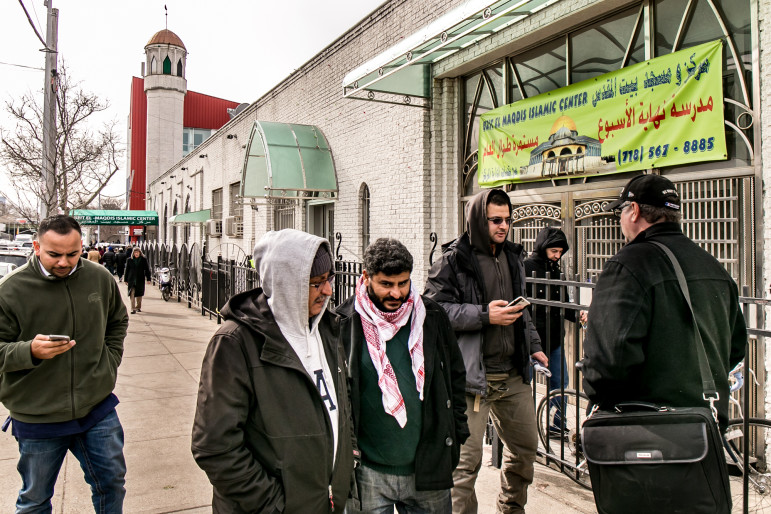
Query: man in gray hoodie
272	426
475	279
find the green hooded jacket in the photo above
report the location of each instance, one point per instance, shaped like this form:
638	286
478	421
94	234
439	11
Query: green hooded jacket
86	306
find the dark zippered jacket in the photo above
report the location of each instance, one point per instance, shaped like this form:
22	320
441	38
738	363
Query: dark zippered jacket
455	282
640	343
444	428
86	306
261	431
538	263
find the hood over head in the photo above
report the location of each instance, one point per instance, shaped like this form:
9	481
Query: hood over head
550	237
476	218
284	259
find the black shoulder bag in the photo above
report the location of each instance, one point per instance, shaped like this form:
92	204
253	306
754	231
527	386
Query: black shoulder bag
649	458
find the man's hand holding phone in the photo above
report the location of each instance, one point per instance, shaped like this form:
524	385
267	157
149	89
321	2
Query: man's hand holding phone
505	313
49	346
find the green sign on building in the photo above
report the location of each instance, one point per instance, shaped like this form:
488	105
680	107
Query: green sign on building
101	217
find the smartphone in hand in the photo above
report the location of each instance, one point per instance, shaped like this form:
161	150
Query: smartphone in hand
58	337
520	300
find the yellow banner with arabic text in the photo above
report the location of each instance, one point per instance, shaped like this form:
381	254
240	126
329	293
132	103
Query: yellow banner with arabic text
662	112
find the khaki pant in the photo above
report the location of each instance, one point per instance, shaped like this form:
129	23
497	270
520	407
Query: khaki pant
510	401
136	301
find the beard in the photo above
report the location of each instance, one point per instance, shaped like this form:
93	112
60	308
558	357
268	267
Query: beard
379	302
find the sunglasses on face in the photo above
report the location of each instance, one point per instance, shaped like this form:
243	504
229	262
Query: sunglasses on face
618	210
497	220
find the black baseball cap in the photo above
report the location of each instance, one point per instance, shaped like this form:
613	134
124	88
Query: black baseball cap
652	190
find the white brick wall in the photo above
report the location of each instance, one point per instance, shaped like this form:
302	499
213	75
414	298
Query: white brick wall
409	157
382	145
764	17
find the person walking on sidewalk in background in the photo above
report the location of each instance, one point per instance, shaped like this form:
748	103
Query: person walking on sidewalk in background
120	262
550	245
108	259
407	387
476	277
137	271
94	255
59	389
272	426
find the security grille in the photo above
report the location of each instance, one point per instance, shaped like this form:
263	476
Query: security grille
716	215
283	213
528	220
598	238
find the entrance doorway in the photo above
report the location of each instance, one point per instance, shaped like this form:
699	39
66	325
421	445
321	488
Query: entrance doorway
321	221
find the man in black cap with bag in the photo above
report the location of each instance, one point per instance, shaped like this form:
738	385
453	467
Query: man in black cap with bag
640	343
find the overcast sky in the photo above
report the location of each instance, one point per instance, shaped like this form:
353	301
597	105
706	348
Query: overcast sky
237	49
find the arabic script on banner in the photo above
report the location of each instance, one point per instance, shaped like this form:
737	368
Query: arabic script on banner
662	112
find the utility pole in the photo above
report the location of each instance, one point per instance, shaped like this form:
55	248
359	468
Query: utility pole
50	85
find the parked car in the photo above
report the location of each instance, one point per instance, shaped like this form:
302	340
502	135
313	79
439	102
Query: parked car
6	267
15	257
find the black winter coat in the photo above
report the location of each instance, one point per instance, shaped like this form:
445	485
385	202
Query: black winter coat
640	343
120	260
444	428
261	431
539	264
137	271
454	283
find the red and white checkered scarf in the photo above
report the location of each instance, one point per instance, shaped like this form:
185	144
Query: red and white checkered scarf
380	327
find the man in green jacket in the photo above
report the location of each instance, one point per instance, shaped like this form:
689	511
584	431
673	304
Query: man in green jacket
62	325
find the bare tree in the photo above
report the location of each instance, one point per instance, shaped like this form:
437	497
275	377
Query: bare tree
85	161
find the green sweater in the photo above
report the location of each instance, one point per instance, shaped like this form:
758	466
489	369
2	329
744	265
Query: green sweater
384	445
85	306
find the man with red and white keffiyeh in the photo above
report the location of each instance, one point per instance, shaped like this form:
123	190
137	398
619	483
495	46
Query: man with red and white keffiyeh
407	387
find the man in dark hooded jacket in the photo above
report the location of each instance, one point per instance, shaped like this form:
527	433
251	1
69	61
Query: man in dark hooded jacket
272	426
477	276
550	245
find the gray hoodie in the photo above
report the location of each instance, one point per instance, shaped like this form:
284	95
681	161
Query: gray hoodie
285	277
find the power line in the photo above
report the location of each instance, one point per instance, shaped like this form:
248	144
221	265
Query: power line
33	25
22	66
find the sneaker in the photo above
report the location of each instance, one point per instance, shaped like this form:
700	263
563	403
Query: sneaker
139	310
133	312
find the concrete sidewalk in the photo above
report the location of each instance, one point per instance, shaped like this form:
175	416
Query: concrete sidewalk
157	387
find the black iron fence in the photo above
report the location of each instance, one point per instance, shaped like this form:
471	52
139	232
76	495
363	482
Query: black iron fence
209	284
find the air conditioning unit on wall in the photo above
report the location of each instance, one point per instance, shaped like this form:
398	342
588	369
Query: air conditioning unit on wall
214	228
234	226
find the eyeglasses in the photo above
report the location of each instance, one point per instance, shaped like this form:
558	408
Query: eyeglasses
497	220
618	210
330	280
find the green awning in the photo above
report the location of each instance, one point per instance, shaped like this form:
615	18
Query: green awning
192	217
103	217
286	160
405	68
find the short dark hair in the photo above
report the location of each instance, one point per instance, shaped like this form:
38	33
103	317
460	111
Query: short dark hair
499	197
387	255
59	223
653	214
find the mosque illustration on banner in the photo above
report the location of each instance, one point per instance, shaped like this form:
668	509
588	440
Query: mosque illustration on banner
567	153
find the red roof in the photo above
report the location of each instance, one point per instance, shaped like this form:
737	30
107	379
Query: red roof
206	112
138	124
200	111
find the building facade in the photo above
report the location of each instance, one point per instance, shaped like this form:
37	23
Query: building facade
166	122
398	101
